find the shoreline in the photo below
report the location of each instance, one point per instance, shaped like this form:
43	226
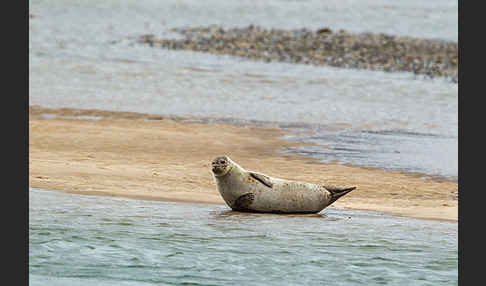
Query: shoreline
191	201
145	156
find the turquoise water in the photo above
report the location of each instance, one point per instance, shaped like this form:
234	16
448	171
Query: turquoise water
91	240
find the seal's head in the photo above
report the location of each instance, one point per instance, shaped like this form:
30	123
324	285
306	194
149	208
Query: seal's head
221	166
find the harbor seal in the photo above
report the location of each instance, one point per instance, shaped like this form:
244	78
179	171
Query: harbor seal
249	191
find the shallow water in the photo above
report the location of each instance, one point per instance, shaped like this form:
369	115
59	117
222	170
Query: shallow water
85	55
430	19
91	240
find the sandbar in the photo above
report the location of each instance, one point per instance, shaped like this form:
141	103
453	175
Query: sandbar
143	156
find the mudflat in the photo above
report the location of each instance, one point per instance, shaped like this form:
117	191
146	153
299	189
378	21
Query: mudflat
162	158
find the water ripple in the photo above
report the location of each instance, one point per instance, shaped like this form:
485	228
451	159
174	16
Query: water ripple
201	247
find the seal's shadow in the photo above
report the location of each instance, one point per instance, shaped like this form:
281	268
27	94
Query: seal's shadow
237	214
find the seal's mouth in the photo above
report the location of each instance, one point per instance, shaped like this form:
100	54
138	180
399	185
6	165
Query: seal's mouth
220	171
217	170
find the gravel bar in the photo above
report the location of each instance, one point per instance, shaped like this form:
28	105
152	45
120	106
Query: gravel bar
428	57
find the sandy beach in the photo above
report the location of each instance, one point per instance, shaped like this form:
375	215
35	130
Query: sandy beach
156	158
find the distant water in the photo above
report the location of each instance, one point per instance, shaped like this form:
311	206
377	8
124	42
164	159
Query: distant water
84	54
91	240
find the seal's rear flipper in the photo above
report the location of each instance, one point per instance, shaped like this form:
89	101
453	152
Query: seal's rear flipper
336	192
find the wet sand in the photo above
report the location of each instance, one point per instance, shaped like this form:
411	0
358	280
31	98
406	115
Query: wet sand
157	158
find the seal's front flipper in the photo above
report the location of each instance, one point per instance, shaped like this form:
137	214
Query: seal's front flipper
243	202
262	179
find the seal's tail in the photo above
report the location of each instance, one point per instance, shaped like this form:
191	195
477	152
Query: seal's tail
336	192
